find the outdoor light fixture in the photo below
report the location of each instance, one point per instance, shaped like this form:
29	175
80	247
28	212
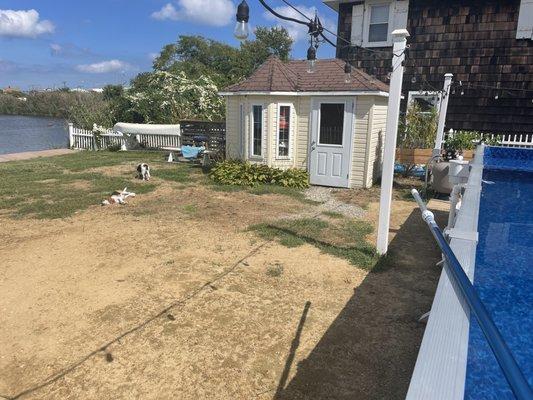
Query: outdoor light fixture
242	30
347	72
316	30
311	59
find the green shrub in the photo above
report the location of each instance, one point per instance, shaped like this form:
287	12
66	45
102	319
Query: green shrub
460	141
233	172
114	147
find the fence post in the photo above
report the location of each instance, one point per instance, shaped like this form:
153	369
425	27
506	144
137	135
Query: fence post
70	135
399	38
442	113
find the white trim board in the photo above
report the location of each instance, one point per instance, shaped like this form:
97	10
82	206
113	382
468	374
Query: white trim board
440	370
266	93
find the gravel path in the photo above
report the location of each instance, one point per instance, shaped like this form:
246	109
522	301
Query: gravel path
324	195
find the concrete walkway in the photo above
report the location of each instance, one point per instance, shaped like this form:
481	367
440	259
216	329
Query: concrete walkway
34	154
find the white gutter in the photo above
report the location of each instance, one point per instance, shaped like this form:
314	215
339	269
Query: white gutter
339	93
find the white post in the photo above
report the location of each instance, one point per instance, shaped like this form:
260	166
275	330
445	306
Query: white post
70	135
442	114
399	38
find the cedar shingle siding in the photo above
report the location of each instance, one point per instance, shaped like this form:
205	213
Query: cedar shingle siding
474	40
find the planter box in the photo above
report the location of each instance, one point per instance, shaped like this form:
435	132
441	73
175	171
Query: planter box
421	156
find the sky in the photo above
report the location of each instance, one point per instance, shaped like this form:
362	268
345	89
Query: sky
91	43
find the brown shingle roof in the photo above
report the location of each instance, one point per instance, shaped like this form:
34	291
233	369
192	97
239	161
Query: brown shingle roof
277	76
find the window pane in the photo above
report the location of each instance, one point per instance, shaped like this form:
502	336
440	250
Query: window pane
378	33
426	103
331	123
379	14
284	126
257	130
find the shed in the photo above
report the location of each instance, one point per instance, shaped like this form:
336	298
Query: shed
286	117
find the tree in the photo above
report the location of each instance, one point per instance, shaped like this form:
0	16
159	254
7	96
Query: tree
224	64
112	92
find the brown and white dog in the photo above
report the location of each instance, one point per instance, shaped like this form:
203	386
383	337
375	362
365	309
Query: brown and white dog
118	197
143	172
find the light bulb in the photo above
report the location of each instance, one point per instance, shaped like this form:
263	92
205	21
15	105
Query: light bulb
496	97
413	79
347	72
311	59
311	66
241	30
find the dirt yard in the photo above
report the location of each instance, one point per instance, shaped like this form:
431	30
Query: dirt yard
173	297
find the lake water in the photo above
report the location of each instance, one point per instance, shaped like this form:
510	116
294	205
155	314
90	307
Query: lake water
18	134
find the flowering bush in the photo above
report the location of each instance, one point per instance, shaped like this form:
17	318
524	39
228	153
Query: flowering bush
169	98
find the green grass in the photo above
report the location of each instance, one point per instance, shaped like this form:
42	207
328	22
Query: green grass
190	209
344	239
333	214
57	187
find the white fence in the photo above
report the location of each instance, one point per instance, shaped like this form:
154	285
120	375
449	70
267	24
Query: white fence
82	139
516	140
505	140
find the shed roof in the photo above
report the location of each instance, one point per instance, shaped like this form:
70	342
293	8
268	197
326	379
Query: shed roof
275	75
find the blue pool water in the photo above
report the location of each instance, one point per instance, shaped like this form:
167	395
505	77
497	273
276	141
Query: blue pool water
503	274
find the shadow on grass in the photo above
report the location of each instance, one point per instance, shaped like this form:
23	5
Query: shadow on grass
370	349
343	238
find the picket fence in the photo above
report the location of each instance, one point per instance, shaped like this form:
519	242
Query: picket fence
82	139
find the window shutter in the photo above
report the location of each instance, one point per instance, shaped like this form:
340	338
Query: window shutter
357	24
401	8
525	20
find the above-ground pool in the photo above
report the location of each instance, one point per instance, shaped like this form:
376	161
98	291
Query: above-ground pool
503	275
493	240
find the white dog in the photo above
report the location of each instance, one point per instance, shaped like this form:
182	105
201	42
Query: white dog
143	172
118	197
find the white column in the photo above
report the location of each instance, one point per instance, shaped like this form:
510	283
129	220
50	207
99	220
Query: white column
442	113
70	135
399	38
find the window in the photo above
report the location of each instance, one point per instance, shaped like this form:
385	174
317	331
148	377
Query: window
425	100
374	20
284	129
256	142
331	123
378	28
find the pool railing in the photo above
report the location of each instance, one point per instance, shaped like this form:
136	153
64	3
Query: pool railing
507	362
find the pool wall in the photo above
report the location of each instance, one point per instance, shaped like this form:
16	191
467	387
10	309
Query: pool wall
440	369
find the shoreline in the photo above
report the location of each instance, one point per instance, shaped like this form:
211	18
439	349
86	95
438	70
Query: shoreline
27	155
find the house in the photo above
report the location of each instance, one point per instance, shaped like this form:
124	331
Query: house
486	44
286	117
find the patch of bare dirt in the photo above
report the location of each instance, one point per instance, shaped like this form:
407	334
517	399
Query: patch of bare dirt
170	297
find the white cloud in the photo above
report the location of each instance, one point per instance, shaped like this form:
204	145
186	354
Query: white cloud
168	11
104	67
56	48
206	12
297	31
23	24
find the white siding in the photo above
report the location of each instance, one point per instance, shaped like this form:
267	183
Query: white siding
377	137
363	108
367	146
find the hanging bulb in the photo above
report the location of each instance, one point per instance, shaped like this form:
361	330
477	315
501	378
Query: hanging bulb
311	59
413	79
347	72
462	92
496	97
242	29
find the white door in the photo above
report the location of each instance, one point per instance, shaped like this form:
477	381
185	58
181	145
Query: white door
331	141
